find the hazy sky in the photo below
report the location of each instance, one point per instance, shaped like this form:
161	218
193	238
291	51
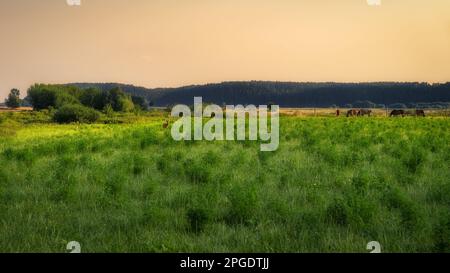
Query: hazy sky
158	43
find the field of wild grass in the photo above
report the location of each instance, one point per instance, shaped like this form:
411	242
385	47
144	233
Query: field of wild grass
334	185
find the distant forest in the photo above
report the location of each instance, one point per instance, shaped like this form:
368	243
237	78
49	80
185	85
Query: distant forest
291	94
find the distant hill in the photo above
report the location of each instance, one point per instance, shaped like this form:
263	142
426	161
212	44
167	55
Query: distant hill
291	94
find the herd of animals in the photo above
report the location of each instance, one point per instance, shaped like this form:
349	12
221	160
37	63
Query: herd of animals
394	113
361	113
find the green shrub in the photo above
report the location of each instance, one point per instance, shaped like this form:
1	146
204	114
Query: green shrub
75	113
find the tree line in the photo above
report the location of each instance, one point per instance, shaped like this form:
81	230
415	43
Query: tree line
124	98
74	104
292	94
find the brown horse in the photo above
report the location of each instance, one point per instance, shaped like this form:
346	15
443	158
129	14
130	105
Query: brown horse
352	113
420	113
395	113
363	112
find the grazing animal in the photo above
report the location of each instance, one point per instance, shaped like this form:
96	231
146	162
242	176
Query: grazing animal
364	112
420	113
338	113
166	124
352	112
395	113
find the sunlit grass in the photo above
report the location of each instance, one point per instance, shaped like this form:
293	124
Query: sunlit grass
334	185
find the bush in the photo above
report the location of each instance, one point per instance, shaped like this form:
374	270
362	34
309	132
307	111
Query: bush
75	113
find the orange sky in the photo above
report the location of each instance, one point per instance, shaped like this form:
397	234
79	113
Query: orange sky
157	43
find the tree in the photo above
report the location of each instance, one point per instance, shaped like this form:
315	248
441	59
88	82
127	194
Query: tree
108	110
94	98
120	101
140	102
13	100
42	96
63	98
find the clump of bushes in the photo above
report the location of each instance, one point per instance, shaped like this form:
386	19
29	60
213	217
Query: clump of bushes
43	96
74	104
75	113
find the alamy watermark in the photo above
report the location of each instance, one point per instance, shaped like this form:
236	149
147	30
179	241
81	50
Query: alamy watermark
74	247
374	247
219	128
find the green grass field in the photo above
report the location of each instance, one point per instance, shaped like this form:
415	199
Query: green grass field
333	185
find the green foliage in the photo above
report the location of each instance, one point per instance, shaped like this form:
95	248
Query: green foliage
120	101
63	99
75	113
43	96
291	94
140	102
94	98
56	96
13	100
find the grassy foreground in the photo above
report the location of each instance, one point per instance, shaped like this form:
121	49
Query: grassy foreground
334	185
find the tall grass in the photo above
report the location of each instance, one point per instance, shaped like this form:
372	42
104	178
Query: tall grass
334	185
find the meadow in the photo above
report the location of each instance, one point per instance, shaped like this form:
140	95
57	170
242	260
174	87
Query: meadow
333	185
